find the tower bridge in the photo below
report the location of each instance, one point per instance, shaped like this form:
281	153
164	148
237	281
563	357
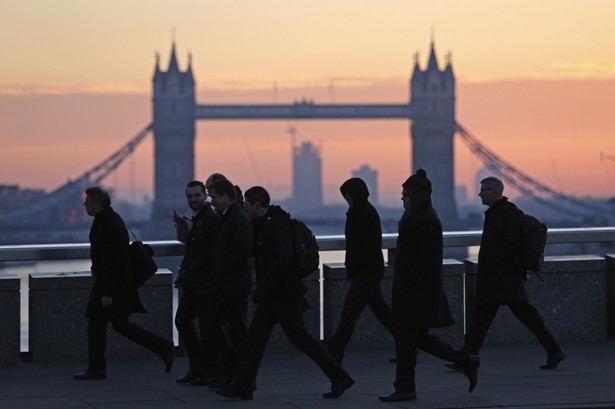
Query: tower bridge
430	112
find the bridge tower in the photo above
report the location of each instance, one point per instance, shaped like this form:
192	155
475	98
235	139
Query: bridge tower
174	132
432	95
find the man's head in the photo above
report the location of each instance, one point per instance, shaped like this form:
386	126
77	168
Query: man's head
257	201
354	191
416	190
491	190
96	199
196	195
213	178
222	194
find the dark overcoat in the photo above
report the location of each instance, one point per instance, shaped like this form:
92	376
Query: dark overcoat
199	249
419	299
500	278
230	269
110	254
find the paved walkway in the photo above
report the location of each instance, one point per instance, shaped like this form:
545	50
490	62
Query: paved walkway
508	378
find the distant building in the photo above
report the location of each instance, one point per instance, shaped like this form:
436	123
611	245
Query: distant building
307	178
370	177
12	196
461	195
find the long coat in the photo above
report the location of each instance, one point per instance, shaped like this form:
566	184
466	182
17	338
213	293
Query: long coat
110	254
419	299
500	278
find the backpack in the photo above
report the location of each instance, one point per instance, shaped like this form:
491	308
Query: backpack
305	249
533	241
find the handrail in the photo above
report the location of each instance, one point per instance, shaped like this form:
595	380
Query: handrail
69	251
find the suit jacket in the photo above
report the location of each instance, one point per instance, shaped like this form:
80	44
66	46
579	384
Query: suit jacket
231	272
419	299
499	277
199	249
109	251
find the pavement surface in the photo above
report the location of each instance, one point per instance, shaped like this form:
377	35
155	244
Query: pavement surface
508	378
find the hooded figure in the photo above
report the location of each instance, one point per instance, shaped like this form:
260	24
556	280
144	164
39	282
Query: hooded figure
363	232
364	266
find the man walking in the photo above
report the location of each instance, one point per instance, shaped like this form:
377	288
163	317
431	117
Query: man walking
192	279
279	297
500	279
419	301
113	296
230	280
364	266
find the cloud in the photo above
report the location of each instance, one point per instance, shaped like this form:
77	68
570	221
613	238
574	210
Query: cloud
101	88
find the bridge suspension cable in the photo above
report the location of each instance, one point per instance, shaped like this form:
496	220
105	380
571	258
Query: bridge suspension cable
74	188
524	183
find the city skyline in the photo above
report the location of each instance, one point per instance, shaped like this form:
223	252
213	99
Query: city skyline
529	87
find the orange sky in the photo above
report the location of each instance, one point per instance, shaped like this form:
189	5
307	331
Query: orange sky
536	83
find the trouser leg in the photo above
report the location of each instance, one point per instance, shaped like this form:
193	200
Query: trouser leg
435	346
140	336
530	317
290	317
184	322
381	309
97	345
405	350
259	333
356	299
479	325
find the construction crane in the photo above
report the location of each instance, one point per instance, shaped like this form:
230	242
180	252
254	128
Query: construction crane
74	188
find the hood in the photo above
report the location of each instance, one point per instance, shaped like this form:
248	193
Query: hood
356	189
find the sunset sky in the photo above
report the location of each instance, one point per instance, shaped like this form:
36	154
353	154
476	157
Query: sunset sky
535	83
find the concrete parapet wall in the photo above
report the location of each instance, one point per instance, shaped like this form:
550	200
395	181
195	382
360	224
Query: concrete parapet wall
9	320
571	300
58	327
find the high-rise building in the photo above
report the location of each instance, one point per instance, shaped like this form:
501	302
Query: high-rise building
370	177
307	178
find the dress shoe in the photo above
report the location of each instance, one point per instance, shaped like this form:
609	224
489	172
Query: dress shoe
553	360
190	376
168	356
397	396
90	375
338	388
235	391
470	370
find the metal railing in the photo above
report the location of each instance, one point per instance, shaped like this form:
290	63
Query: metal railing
167	248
